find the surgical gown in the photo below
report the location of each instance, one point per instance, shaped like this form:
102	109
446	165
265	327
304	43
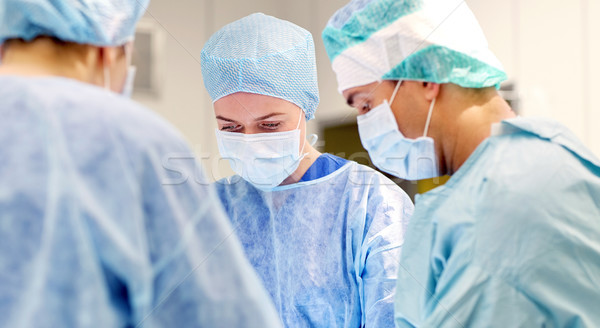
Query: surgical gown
104	222
513	239
326	249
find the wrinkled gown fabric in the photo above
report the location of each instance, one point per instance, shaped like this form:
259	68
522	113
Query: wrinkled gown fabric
99	228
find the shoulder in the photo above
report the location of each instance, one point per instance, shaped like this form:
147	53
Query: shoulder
518	171
373	180
383	196
235	189
535	199
95	124
524	163
101	125
90	108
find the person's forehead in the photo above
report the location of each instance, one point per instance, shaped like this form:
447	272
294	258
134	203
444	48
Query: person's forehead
361	88
247	106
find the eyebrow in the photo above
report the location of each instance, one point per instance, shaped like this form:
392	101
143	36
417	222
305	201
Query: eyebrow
268	116
219	117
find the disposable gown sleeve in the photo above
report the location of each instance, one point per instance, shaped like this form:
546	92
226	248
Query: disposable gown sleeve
200	276
388	212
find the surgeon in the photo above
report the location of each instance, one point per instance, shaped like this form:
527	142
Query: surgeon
324	233
94	230
513	239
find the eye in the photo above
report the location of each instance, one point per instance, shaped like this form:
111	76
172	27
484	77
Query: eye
270	125
231	128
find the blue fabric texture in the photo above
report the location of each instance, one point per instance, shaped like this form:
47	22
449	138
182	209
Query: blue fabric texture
95	22
442	65
327	250
323	166
360	19
104	223
418	40
263	55
512	240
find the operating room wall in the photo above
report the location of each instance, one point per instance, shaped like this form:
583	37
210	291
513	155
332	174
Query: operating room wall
183	100
548	49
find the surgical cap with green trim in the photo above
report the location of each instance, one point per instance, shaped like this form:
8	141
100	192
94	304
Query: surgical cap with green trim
436	41
263	55
94	22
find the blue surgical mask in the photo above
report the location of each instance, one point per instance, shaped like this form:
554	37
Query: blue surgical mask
391	151
264	159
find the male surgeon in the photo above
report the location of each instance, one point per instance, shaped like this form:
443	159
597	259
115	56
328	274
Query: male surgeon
513	239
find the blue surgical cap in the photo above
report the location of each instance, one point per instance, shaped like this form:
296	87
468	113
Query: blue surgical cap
436	41
94	22
263	55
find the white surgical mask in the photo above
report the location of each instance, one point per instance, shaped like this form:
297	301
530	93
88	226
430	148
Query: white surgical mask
127	86
391	151
129	80
263	159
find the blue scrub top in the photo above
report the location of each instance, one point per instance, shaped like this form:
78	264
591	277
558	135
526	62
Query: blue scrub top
512	240
323	166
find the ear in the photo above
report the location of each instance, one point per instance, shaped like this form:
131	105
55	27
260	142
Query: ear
107	56
432	90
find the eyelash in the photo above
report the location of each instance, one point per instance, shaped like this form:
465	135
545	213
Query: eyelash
266	126
271	126
230	128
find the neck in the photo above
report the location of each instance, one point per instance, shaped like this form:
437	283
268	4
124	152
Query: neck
472	126
43	57
305	164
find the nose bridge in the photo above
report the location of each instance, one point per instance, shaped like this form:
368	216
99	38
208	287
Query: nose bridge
251	128
248	120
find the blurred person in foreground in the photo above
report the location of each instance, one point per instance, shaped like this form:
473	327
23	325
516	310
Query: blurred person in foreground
94	231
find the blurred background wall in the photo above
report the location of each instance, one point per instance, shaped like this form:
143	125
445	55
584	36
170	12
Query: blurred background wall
549	49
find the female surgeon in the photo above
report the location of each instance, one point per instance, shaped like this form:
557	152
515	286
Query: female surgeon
324	233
